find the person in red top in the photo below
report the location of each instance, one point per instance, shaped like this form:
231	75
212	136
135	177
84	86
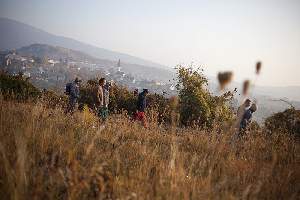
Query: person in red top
141	107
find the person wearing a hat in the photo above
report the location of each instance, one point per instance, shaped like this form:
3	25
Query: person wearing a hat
72	90
141	107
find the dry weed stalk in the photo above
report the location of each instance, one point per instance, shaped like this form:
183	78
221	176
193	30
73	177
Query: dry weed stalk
246	87
258	67
224	79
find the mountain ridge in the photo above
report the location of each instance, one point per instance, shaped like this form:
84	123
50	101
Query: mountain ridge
58	53
15	34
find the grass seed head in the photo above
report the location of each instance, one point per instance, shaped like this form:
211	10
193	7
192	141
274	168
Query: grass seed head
258	67
224	79
246	87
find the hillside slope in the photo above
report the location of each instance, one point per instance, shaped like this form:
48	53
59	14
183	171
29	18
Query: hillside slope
15	35
57	52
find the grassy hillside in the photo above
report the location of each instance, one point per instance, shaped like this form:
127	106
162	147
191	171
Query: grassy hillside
47	155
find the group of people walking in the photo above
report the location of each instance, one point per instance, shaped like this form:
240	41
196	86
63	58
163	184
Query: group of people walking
102	100
244	112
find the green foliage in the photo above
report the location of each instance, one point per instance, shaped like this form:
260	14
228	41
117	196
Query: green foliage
88	94
197	106
122	99
17	88
287	122
158	105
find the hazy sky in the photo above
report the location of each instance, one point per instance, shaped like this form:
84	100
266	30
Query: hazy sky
220	35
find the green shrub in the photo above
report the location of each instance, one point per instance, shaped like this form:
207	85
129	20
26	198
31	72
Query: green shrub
197	106
287	122
17	88
122	99
88	94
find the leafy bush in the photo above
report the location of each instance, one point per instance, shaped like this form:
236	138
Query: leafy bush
17	88
197	106
166	109
287	122
122	99
88	94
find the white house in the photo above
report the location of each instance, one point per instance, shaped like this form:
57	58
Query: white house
52	62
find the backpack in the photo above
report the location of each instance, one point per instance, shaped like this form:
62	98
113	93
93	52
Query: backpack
68	88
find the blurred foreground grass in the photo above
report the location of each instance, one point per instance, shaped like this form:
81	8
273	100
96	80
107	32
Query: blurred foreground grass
47	155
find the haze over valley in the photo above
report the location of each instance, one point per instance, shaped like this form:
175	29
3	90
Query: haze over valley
33	42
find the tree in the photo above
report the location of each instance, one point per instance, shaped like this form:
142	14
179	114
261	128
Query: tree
17	88
196	105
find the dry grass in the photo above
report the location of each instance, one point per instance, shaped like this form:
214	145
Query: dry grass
47	155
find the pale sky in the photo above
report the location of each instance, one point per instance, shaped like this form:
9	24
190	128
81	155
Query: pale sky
218	34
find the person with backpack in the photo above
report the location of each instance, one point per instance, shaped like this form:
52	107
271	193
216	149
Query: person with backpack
73	91
241	111
246	119
141	107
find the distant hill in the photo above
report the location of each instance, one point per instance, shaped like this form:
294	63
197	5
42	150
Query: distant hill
15	35
290	92
56	52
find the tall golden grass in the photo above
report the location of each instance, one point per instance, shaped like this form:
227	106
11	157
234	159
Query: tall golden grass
45	154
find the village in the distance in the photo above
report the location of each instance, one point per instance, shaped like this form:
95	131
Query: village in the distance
50	67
